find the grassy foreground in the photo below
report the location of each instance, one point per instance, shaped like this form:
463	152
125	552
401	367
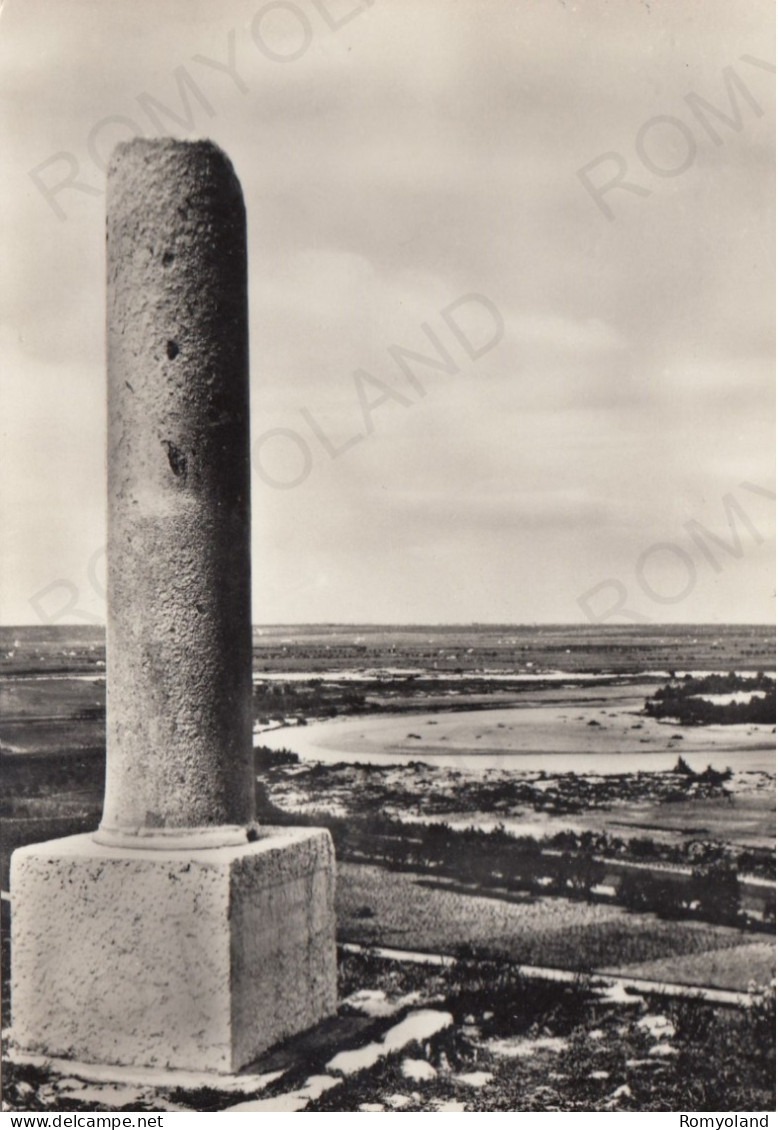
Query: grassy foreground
406	910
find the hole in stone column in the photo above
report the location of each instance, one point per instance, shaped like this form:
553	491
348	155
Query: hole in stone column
172	350
167	258
176	458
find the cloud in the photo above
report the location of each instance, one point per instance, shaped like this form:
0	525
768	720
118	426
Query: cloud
417	154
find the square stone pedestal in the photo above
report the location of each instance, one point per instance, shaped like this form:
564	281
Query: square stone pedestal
185	959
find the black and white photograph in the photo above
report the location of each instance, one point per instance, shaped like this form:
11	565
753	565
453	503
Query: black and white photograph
387	570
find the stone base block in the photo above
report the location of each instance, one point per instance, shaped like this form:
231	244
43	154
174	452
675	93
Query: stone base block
199	960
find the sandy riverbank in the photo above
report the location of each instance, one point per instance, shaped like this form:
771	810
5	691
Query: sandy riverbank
583	733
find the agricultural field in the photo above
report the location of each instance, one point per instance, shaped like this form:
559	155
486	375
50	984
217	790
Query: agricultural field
439	648
579	647
735	967
48	714
378	906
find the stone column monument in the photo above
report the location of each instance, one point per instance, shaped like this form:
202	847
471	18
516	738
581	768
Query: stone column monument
180	934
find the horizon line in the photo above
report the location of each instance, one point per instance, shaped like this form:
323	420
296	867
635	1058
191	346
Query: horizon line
447	624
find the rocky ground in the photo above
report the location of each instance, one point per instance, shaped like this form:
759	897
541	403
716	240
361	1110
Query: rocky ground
473	1035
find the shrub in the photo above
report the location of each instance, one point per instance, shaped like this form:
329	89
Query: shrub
480	983
716	888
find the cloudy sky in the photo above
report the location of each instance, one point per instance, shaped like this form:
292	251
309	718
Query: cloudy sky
566	205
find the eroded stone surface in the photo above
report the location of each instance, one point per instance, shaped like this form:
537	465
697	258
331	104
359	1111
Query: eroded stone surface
192	955
196	960
179	602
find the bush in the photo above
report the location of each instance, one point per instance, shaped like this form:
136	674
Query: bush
717	891
480	983
726	1058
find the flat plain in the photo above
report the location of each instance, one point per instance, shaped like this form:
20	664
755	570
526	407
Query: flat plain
540	730
410	912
